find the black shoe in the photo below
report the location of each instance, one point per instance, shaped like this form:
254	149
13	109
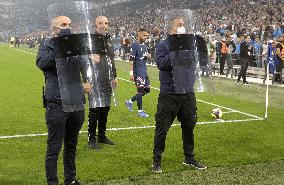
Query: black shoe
75	182
156	166
105	140
195	164
238	82
93	144
245	83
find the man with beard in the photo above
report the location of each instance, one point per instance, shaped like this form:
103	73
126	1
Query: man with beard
138	72
245	50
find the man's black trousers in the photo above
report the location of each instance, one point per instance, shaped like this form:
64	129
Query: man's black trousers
97	117
169	107
62	127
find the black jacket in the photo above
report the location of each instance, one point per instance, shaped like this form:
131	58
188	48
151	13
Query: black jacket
164	61
244	49
46	62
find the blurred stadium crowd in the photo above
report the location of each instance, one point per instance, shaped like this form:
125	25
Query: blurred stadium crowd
227	20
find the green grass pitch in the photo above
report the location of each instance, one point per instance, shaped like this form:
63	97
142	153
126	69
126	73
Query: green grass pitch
242	148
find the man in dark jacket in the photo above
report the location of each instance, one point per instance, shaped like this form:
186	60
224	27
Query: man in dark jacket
175	101
224	54
245	50
62	126
231	50
280	59
101	89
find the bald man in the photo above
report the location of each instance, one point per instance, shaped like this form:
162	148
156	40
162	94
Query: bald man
60	25
63	127
98	112
101	27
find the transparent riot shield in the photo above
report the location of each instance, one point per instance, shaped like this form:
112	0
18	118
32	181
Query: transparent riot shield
188	52
101	79
74	53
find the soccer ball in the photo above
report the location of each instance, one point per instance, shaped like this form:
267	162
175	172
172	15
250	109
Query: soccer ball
216	113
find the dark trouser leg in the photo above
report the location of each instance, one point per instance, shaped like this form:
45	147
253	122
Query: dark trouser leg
188	140
138	98
279	67
73	125
265	67
55	120
161	131
245	70
123	54
164	118
133	99
188	117
140	90
229	64
244	63
92	123
102	121
222	63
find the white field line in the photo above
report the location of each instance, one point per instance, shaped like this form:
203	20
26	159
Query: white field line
135	128
24	51
227	112
20	50
231	110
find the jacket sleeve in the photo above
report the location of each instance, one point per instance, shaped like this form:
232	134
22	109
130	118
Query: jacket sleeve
113	67
45	57
243	49
234	47
84	67
111	56
163	57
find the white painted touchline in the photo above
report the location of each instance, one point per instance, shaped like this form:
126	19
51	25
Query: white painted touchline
135	128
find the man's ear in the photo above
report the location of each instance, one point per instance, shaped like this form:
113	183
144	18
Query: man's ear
54	30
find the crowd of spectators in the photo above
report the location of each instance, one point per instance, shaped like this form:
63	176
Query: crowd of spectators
262	19
217	16
19	19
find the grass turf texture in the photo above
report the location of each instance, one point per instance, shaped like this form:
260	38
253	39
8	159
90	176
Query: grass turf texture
236	153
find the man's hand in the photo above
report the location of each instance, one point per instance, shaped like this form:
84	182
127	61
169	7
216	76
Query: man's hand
87	87
131	78
114	83
96	58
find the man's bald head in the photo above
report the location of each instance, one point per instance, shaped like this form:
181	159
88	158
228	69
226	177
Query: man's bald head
58	23
102	24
